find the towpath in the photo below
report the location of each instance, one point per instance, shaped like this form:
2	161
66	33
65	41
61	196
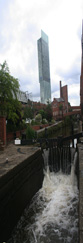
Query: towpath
13	155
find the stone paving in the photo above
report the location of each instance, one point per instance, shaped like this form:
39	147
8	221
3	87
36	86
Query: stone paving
13	155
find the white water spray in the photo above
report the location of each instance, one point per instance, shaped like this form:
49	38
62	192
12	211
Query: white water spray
53	209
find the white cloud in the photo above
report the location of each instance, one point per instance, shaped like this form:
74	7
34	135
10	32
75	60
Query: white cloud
21	24
74	94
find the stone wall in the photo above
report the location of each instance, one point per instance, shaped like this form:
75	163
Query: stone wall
17	188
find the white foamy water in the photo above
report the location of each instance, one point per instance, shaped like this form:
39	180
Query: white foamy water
53	214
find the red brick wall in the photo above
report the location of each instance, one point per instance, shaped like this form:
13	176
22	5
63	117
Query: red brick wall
38	127
57	114
75	108
65	95
3	130
72	113
10	135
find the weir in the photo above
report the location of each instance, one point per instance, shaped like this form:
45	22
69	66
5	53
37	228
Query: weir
59	158
60	154
53	212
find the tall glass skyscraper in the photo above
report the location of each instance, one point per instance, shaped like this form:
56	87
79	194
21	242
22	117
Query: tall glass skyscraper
44	68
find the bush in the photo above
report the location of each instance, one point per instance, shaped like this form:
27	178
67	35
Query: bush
44	121
67	120
32	122
38	118
30	133
53	121
13	127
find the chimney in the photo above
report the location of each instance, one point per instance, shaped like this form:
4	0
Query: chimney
60	90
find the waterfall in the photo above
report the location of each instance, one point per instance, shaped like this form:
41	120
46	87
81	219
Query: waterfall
73	176
53	213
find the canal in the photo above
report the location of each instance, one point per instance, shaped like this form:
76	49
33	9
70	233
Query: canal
52	216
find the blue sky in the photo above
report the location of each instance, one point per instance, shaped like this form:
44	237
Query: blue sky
21	22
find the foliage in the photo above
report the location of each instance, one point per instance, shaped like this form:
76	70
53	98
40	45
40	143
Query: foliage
67	120
14	111
69	104
33	122
41	134
28	112
38	118
43	113
49	112
44	121
15	126
53	131
30	133
9	86
53	121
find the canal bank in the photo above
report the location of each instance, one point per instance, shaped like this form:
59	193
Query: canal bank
21	176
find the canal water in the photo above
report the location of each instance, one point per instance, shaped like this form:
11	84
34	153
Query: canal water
53	213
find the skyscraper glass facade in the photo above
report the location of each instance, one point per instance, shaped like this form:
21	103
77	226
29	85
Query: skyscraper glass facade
44	68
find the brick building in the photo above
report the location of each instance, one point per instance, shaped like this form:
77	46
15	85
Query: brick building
64	95
60	105
38	106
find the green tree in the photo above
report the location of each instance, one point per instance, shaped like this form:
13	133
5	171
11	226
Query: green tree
38	118
30	133
28	112
43	113
49	114
9	87
14	110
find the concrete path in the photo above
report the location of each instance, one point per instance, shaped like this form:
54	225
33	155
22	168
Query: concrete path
13	155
